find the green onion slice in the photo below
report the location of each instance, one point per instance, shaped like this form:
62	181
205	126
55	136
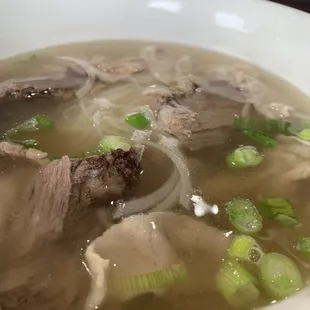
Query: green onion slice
287	221
244	216
304	135
150	281
279	209
30	143
111	143
300	128
280	276
264	125
236	284
138	121
37	122
245	248
244	157
261	138
303	246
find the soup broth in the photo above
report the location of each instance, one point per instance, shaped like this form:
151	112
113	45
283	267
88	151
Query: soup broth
55	273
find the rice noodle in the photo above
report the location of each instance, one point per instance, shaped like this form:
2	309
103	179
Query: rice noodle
106	114
170	200
147	111
104	76
156	89
172	191
165	196
165	67
91	72
159	62
175	155
139	135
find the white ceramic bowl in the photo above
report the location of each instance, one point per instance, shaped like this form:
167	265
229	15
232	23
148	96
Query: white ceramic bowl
272	36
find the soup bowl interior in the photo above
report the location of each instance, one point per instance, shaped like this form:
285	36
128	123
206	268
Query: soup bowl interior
242	28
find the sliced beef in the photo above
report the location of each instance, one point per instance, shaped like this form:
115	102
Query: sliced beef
106	70
68	78
59	203
63	87
56	84
58	283
17	151
123	67
237	82
197	117
61	197
11	92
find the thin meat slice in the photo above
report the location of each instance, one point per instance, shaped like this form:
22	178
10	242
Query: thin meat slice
46	87
154	242
65	79
200	110
114	71
197	118
60	203
12	92
61	198
105	70
17	151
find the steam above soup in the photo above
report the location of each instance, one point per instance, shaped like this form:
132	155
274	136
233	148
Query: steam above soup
158	176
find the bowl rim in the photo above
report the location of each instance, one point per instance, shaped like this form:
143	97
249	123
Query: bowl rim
281	12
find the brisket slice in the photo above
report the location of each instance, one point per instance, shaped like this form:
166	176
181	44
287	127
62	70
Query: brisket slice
194	116
16	151
59	203
62	196
70	79
11	92
111	71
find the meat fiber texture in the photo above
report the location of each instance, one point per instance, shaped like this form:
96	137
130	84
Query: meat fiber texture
143	244
198	117
57	204
66	77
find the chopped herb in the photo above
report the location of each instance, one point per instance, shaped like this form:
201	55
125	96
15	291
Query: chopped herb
138	121
280	276
245	248
279	209
286	220
260	137
37	122
244	157
111	143
30	143
159	279
244	216
303	246
236	284
265	125
304	135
